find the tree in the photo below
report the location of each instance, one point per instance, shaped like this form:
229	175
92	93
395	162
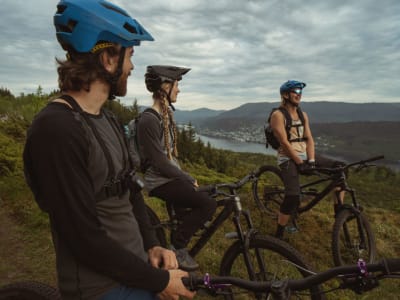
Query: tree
4	92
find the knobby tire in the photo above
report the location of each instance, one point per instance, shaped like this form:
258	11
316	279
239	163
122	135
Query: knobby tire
29	290
156	223
347	227
278	257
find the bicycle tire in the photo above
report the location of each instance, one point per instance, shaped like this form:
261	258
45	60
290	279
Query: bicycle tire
344	253
278	256
156	223
29	290
268	189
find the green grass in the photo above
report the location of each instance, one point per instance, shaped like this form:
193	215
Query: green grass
26	251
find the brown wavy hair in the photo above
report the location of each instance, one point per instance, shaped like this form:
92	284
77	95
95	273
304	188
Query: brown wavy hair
79	70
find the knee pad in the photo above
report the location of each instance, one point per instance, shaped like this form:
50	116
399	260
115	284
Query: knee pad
289	204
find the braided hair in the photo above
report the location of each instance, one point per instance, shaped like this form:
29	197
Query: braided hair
168	118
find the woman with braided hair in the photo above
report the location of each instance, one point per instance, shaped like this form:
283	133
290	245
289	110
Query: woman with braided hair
157	136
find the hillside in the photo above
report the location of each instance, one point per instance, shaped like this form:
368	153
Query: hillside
342	129
26	250
195	116
319	112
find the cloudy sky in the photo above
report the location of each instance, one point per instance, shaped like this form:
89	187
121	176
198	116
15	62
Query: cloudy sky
239	50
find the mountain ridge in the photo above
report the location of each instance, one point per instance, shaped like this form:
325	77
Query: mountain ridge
250	114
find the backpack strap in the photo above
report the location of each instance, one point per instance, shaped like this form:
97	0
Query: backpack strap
152	111
71	101
114	185
289	125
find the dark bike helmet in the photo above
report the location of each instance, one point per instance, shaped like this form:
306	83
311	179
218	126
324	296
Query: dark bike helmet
291	84
156	75
81	24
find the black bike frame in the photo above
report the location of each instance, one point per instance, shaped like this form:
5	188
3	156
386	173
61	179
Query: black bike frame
338	180
233	205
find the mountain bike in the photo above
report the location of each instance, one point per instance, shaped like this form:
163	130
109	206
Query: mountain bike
251	255
352	236
29	290
359	278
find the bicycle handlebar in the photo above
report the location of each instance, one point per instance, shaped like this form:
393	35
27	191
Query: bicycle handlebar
344	167
361	162
283	287
213	188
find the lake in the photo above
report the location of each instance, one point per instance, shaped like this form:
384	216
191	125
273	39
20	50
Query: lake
236	146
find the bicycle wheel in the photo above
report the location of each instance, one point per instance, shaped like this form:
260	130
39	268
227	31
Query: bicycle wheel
156	223
268	189
352	238
279	259
29	290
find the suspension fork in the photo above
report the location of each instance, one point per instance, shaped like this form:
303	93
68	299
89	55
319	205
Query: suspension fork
356	211
245	239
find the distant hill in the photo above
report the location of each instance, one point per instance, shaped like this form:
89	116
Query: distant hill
195	116
343	129
254	114
192	116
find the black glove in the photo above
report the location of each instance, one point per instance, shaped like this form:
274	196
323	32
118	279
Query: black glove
306	168
311	164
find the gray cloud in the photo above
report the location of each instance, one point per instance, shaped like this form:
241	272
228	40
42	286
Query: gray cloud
239	51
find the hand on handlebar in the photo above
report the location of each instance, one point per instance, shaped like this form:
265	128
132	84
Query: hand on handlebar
306	168
175	287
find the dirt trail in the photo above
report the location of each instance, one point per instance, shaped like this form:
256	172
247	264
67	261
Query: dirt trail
11	249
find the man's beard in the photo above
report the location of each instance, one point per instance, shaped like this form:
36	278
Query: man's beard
122	84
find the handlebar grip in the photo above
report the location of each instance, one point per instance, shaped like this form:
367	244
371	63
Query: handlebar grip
192	282
187	282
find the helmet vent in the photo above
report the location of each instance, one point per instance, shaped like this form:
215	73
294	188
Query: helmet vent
67	28
130	28
112	7
60	9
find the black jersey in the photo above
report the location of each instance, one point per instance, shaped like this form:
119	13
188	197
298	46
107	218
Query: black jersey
98	240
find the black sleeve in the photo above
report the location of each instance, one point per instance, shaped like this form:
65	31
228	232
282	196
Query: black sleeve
149	132
139	209
57	152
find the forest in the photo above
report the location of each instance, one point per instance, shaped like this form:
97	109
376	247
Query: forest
26	251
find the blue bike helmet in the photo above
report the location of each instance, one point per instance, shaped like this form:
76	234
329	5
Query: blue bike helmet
81	24
291	84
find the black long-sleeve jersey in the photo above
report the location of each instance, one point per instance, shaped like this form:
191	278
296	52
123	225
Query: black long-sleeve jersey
98	240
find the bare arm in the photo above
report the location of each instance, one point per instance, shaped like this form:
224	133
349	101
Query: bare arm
310	140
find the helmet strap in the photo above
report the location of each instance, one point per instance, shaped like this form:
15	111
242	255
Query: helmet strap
169	96
290	102
115	77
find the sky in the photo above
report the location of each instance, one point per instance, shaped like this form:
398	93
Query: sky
239	51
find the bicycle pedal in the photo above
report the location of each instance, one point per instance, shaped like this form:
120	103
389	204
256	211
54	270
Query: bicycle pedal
231	235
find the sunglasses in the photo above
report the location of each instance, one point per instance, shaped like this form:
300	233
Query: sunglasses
297	91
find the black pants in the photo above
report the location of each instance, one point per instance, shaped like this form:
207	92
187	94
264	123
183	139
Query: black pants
182	195
291	180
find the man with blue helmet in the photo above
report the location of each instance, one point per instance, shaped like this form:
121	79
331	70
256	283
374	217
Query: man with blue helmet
296	153
77	164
